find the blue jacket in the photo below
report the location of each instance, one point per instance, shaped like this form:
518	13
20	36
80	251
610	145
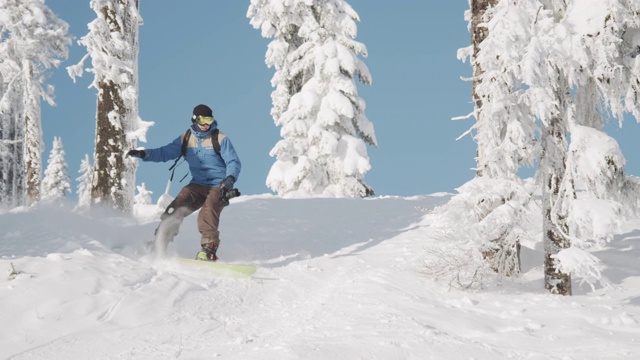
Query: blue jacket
206	167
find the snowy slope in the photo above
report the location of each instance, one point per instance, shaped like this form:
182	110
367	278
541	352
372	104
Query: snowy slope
337	279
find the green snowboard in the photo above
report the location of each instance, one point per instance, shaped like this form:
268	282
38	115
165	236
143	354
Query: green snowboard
216	267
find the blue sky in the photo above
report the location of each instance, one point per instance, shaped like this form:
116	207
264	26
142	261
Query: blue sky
203	51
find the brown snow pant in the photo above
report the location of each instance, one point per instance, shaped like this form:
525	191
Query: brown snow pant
191	198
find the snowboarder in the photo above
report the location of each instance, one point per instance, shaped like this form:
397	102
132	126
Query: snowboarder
214	167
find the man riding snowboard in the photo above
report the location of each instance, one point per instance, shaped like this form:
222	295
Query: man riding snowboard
214	167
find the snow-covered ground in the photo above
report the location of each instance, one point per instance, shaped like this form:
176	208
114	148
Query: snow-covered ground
336	279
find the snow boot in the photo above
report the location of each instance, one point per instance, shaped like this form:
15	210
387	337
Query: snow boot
208	252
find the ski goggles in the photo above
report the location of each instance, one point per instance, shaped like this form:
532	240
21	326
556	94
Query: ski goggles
205	120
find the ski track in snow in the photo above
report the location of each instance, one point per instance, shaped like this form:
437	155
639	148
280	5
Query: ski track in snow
337	279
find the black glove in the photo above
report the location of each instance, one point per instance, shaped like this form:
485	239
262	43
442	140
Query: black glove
137	153
227	183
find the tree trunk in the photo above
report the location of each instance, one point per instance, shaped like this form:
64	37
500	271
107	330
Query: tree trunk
553	167
498	249
110	141
478	34
32	136
17	169
15	145
117	114
33	164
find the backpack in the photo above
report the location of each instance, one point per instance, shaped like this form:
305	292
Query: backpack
216	136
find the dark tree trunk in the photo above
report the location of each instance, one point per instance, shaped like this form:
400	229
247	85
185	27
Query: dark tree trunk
108	162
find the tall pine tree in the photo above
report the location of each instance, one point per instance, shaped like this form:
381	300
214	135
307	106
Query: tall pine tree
550	70
324	127
32	40
112	44
503	145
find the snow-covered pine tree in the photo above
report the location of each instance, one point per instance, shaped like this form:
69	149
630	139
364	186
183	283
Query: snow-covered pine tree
604	75
501	250
524	92
595	159
506	129
85	183
585	41
112	44
505	133
315	101
608	77
32	40
552	67
56	182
